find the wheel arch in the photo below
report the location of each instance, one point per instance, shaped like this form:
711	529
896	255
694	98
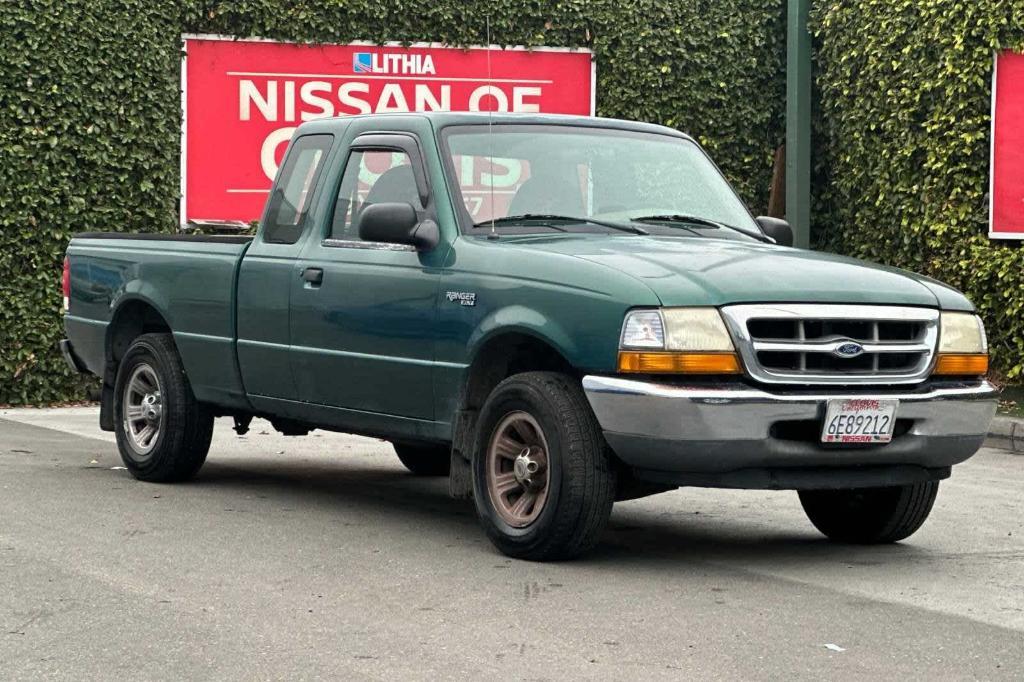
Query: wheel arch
505	352
134	316
502	354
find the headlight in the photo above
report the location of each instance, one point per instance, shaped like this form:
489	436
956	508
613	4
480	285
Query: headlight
963	348
696	329
676	341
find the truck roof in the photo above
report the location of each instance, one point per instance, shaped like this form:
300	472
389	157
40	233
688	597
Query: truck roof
440	119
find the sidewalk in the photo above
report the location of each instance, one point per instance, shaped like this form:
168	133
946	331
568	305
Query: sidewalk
1006	433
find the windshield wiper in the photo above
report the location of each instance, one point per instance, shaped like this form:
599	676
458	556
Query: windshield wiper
694	220
549	217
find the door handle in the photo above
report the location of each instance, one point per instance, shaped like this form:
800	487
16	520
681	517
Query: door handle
313	276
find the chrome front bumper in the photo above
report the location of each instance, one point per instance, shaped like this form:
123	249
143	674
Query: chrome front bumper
710	430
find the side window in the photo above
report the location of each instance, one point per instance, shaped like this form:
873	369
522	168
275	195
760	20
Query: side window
371	177
294	189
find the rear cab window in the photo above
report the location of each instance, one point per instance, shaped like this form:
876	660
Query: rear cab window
293	191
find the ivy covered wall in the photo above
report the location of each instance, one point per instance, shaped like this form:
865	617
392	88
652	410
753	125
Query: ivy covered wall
90	111
903	164
89	123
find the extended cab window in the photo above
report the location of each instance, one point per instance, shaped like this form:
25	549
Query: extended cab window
293	193
371	177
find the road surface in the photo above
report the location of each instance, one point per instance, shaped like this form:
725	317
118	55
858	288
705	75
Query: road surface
320	557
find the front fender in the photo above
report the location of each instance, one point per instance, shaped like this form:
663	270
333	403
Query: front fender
520	319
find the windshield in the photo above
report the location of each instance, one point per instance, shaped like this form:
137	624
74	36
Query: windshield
599	174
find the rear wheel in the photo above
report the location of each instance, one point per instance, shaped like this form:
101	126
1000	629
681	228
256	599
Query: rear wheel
543	478
870	515
425	460
163	432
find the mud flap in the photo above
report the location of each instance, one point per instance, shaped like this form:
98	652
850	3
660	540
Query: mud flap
460	478
107	407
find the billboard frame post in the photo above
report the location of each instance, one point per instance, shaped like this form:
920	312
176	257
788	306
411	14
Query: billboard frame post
798	123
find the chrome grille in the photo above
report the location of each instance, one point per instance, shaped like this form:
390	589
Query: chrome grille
834	344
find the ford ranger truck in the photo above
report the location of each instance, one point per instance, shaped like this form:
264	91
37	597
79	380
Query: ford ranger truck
556	312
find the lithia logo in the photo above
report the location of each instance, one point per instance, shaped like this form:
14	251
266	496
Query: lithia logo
393	63
467	298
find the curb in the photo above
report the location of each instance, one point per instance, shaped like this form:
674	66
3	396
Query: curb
1006	433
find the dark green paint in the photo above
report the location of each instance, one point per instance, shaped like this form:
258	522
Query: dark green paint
191	285
379	348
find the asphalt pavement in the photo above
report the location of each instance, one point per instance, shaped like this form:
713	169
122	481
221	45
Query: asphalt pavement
321	557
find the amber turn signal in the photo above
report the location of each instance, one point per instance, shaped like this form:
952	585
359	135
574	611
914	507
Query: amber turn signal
636	362
960	364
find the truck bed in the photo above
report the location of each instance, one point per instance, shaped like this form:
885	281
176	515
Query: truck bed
189	280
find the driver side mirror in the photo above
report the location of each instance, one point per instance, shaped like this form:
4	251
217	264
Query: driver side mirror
396	223
776	228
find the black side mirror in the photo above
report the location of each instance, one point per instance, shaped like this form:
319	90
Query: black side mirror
776	228
396	223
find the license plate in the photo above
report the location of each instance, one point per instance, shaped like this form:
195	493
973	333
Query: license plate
859	420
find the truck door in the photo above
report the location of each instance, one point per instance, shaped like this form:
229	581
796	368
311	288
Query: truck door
363	314
269	267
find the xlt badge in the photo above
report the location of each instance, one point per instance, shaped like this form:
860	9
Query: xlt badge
463	297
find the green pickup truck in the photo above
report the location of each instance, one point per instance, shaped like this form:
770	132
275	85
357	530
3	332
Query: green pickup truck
556	312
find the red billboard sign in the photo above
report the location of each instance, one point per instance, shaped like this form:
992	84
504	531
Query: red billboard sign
242	100
1006	194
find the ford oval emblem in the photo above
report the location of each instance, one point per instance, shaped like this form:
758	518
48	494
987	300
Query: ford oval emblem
848	349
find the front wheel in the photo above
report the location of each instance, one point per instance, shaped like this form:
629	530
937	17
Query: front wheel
543	478
870	515
163	432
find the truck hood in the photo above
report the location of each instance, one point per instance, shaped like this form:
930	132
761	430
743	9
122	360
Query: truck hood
704	271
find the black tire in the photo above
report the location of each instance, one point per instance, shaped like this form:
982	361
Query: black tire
870	516
425	459
185	426
582	477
